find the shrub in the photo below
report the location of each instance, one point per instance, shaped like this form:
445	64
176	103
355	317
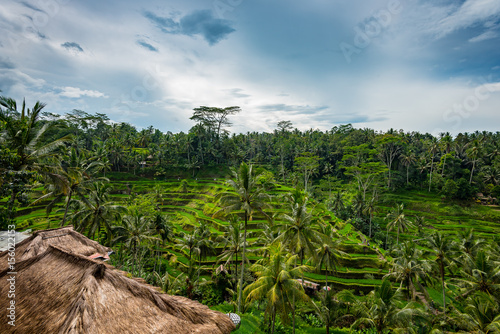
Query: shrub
450	189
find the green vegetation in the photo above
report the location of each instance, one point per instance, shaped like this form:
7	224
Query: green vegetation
401	227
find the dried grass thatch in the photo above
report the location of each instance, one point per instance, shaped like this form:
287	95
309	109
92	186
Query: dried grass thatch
61	292
64	237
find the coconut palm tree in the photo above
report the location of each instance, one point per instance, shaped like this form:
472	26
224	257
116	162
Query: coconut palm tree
297	231
370	209
97	211
443	248
328	308
164	230
135	229
408	160
468	245
78	175
473	153
409	268
337	203
482	274
204	245
189	242
232	241
277	283
328	253
248	196
26	134
481	314
381	310
397	220
433	148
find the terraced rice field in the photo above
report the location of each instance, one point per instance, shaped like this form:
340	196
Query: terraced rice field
361	271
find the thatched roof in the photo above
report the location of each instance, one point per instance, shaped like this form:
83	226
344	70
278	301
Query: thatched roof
61	292
64	237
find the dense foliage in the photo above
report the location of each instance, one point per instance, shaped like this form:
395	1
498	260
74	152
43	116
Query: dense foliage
293	202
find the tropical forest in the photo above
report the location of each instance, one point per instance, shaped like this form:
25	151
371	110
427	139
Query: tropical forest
350	230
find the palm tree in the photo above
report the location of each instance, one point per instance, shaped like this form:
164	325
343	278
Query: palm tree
433	148
337	203
328	253
473	153
327	309
443	248
358	204
482	274
164	229
134	231
446	141
97	211
370	209
419	223
398	220
277	284
468	245
78	176
26	135
189	242
249	197
297	230
408	160
482	314
409	268
382	312
204	245
232	240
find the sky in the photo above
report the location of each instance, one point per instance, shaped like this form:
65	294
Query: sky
416	65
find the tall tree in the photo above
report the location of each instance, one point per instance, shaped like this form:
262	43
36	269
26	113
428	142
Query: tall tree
389	147
277	284
307	163
248	196
26	135
443	248
135	229
432	149
328	253
408	160
97	211
397	219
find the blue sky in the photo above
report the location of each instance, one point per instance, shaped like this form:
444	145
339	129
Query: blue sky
417	65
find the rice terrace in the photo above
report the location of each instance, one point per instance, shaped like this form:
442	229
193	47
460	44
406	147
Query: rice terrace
249	167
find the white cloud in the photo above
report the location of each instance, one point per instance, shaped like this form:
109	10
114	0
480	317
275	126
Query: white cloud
471	12
491	87
484	36
75	92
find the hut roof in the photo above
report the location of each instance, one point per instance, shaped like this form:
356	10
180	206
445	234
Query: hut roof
64	237
61	292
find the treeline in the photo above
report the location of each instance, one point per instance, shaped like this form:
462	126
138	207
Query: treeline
457	166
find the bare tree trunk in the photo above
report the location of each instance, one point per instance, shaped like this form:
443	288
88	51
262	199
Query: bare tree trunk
240	289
